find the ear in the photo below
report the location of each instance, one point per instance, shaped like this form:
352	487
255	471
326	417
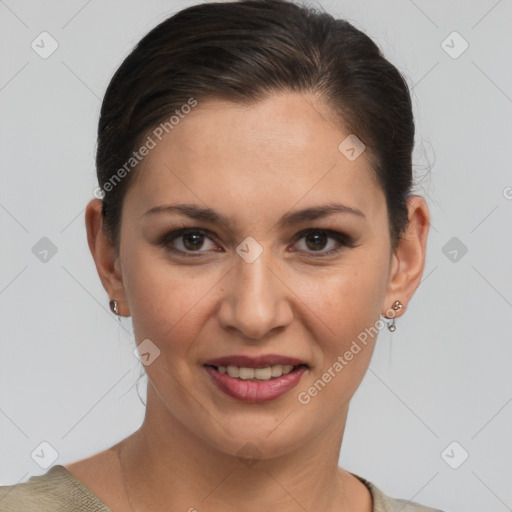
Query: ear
408	259
105	256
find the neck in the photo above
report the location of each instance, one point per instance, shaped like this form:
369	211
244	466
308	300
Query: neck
168	467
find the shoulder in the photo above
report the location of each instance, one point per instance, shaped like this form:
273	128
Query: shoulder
54	491
384	503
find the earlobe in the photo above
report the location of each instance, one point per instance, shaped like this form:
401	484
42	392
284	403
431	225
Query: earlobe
105	256
409	256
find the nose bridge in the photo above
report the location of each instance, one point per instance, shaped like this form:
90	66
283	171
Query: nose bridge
255	305
255	277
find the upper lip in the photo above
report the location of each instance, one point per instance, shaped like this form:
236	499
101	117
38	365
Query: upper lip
254	362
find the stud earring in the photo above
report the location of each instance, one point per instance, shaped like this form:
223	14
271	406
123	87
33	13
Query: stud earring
397	306
114	307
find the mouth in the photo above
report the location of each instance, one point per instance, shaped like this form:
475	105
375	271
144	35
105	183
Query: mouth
257	379
256	374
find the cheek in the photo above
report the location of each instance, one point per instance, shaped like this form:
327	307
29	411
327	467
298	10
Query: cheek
345	310
165	300
348	299
346	306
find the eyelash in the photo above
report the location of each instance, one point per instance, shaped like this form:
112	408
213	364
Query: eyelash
345	241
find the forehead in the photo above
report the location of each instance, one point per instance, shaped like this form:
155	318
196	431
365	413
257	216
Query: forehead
273	154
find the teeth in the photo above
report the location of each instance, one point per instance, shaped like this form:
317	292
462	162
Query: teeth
277	370
246	373
263	373
266	373
233	371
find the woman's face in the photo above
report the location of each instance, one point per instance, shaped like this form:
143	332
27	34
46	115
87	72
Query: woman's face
255	286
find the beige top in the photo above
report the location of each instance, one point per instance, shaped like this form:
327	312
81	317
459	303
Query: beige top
59	491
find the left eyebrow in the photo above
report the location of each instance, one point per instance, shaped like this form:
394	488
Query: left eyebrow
289	219
317	212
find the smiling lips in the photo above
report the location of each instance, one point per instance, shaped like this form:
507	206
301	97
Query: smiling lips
255	379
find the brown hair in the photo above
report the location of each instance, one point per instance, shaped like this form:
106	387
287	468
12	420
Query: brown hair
242	51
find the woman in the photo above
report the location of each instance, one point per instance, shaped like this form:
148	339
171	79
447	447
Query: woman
256	221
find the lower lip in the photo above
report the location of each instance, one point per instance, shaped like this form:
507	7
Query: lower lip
256	391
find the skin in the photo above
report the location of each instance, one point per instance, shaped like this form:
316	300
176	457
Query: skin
252	164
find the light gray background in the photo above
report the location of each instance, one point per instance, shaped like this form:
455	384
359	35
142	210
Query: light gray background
68	373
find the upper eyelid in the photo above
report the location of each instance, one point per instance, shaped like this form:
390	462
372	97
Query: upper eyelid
180	232
186	230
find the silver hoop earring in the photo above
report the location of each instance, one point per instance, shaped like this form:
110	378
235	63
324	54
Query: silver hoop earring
397	306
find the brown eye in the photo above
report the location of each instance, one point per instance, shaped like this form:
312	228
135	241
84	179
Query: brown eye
187	240
316	240
193	241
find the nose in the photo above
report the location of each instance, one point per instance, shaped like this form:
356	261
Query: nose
256	299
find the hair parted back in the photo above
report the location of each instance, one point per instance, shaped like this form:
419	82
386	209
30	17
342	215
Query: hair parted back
242	52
